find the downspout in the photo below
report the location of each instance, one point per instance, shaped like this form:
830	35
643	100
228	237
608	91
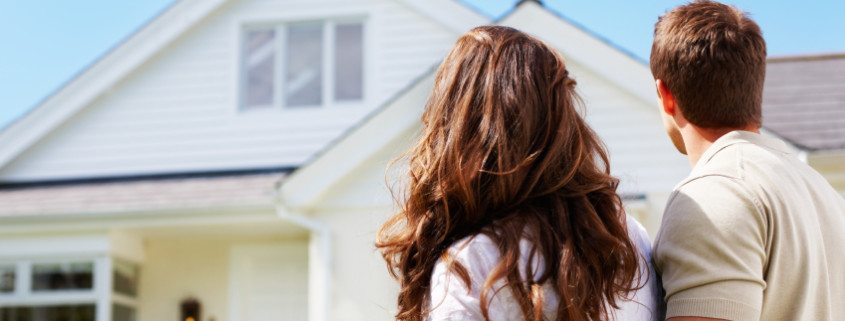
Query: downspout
319	261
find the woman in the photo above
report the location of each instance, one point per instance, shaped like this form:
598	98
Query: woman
511	213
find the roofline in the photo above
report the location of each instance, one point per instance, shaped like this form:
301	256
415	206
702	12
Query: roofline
101	75
577	25
143	44
90	64
807	57
837	152
455	15
79	220
802	147
303	187
302	191
616	64
574	23
146	177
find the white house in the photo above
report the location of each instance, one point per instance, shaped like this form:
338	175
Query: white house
234	152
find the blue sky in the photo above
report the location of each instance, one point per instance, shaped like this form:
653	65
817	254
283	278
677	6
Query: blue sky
45	43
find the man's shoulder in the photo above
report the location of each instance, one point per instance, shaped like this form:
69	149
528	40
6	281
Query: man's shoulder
734	165
711	201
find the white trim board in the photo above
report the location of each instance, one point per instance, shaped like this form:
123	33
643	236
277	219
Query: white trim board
119	63
584	48
72	246
304	187
101	76
450	13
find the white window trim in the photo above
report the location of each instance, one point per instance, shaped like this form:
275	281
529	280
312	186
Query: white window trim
101	295
328	82
25	296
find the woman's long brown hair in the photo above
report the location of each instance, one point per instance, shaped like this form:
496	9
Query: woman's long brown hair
504	152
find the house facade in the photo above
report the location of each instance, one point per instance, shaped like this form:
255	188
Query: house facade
232	160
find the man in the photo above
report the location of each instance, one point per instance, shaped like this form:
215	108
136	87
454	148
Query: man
753	233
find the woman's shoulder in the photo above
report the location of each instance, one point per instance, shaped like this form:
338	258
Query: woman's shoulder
647	301
478	254
639	235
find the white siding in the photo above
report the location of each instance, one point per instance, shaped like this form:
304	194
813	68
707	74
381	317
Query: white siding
179	111
641	154
362	289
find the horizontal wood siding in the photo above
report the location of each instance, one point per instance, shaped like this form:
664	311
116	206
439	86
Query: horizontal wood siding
641	154
179	111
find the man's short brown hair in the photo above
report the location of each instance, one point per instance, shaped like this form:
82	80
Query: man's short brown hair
712	57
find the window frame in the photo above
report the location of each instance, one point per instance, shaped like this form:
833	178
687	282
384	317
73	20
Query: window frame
280	27
101	295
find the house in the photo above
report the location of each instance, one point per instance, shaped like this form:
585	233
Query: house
804	104
230	160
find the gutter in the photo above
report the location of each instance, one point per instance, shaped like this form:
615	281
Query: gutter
319	261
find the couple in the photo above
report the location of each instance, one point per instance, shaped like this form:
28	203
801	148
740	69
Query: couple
511	213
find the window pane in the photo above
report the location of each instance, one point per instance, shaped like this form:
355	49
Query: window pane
7	279
304	64
125	276
121	312
48	313
259	66
349	62
63	276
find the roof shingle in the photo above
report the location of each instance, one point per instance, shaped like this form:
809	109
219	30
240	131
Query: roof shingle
804	101
134	196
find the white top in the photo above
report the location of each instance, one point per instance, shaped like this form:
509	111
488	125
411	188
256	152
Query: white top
451	301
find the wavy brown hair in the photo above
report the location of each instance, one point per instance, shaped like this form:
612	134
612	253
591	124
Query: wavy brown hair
505	152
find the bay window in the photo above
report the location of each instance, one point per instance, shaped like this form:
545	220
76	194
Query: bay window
68	289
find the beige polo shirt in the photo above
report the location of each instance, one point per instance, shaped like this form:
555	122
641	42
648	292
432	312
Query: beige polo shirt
753	234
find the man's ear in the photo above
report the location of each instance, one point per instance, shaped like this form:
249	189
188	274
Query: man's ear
666	99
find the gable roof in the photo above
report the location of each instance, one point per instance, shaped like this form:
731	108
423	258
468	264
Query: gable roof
102	75
804	100
146	43
304	188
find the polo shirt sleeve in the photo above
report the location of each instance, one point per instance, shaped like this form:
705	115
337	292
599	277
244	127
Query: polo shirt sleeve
711	251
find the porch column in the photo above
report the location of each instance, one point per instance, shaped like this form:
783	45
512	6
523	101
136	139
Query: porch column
319	275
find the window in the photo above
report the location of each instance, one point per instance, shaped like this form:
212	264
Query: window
349	53
63	276
80	312
7	279
305	64
50	290
259	64
121	312
125	278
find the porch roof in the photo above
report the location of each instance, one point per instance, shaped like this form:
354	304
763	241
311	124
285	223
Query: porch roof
137	195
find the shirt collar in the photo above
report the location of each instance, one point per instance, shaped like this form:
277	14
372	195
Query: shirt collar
740	137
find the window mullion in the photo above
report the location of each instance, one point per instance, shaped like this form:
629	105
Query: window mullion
103	288
23	279
328	62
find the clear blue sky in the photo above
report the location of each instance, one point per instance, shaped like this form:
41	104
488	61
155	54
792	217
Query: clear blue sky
45	43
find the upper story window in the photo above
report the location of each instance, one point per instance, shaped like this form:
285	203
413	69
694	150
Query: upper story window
303	64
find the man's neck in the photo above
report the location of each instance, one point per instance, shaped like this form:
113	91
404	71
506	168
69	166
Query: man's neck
697	140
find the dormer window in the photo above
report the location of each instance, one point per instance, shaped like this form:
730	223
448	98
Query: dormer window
309	64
